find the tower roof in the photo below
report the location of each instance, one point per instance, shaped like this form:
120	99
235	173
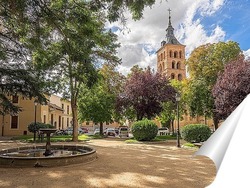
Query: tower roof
170	38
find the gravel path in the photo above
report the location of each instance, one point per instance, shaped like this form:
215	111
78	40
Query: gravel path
119	165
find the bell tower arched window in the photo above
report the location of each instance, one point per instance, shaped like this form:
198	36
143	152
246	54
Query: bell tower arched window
179	77
170	53
180	54
172	76
173	64
178	65
175	54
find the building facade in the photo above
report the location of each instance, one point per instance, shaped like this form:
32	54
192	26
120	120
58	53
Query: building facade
57	113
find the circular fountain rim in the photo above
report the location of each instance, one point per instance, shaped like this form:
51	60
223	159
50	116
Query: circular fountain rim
55	147
47	161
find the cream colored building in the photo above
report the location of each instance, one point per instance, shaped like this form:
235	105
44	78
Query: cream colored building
57	113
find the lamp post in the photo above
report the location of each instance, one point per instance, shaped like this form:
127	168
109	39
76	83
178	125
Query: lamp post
178	98
35	103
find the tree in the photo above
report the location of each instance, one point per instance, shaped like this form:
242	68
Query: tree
204	65
97	104
66	37
232	86
144	91
167	115
63	40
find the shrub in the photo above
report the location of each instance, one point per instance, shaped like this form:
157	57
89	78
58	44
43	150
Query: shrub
195	133
144	130
32	127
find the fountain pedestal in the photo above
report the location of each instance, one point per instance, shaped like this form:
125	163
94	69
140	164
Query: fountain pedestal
48	144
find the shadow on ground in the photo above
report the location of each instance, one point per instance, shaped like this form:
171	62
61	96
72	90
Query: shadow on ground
119	165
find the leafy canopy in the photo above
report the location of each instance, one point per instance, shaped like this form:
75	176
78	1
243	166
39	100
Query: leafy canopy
232	86
144	91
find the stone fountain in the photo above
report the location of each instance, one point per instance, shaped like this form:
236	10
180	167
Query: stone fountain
48	155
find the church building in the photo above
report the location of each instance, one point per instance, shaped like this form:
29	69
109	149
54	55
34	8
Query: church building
171	55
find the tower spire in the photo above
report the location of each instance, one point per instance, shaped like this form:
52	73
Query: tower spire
169	17
170	38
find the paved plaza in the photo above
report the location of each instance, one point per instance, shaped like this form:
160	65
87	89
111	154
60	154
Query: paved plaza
118	164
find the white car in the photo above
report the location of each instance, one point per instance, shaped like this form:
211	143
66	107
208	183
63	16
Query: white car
163	131
110	132
96	131
69	131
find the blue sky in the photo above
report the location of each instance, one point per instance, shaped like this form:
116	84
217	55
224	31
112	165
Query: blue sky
196	22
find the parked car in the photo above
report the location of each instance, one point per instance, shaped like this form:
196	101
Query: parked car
117	131
96	131
123	131
69	131
110	132
60	132
163	131
85	130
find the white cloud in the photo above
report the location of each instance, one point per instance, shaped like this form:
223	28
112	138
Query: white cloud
247	54
143	37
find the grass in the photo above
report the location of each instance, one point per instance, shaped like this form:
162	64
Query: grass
190	145
57	138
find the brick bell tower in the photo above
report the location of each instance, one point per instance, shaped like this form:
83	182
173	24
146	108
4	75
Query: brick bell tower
171	55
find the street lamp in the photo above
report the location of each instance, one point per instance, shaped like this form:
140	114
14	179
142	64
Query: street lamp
178	98
35	103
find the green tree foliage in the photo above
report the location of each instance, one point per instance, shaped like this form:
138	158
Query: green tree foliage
144	130
97	104
34	127
167	115
115	8
64	40
204	65
195	133
144	91
232	86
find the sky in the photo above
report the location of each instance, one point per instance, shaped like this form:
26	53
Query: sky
196	22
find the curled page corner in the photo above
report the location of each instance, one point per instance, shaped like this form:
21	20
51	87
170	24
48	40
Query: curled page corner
228	149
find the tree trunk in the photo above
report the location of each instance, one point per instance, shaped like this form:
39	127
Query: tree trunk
75	122
101	128
3	126
216	122
172	124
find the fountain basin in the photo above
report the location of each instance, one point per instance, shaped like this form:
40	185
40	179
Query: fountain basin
33	156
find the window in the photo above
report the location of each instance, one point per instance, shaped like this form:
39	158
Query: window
87	123
179	77
173	64
67	109
62	122
59	122
14	122
67	122
170	53
175	54
44	118
180	54
161	56
63	106
51	119
172	76
160	68
15	99
178	65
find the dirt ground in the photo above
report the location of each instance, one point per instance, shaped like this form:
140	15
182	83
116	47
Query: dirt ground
119	165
